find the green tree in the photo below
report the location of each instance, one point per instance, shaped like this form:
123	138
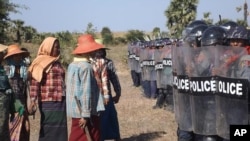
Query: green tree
38	38
3	18
119	40
18	29
5	8
206	18
134	35
66	39
164	34
156	31
179	14
245	13
107	36
91	30
242	22
29	33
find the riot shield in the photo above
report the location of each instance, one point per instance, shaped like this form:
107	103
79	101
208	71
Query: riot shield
177	60
167	76
151	67
232	92
145	64
167	73
133	60
142	58
182	108
202	97
158	67
136	64
148	64
130	56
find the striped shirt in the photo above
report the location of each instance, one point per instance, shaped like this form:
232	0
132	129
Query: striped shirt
82	84
52	86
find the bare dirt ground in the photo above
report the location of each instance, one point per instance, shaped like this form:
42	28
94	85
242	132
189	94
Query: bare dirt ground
138	121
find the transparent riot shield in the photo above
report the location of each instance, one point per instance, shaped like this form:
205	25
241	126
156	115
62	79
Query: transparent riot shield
167	76
130	56
202	96
232	90
146	64
136	64
158	67
133	60
181	92
152	55
167	73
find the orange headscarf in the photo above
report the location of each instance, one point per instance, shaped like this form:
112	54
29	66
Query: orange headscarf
42	63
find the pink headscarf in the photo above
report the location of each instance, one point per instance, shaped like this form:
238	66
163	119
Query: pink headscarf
42	63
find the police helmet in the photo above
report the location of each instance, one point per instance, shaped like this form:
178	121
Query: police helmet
195	23
238	32
213	35
146	44
159	43
151	43
190	26
195	35
166	41
228	25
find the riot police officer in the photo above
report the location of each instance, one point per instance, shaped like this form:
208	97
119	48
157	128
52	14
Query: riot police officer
233	110
204	107
163	67
182	106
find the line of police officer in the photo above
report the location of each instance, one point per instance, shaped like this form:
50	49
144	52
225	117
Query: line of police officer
208	73
151	68
213	64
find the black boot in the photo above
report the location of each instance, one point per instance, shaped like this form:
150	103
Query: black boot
160	100
185	135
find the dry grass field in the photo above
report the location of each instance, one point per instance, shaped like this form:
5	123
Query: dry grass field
138	121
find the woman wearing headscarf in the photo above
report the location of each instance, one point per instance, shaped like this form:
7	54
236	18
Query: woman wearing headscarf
17	72
6	99
48	87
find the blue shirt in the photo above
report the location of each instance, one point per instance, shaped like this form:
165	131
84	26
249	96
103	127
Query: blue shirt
81	83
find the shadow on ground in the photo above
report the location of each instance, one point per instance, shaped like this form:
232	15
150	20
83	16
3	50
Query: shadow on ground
145	136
